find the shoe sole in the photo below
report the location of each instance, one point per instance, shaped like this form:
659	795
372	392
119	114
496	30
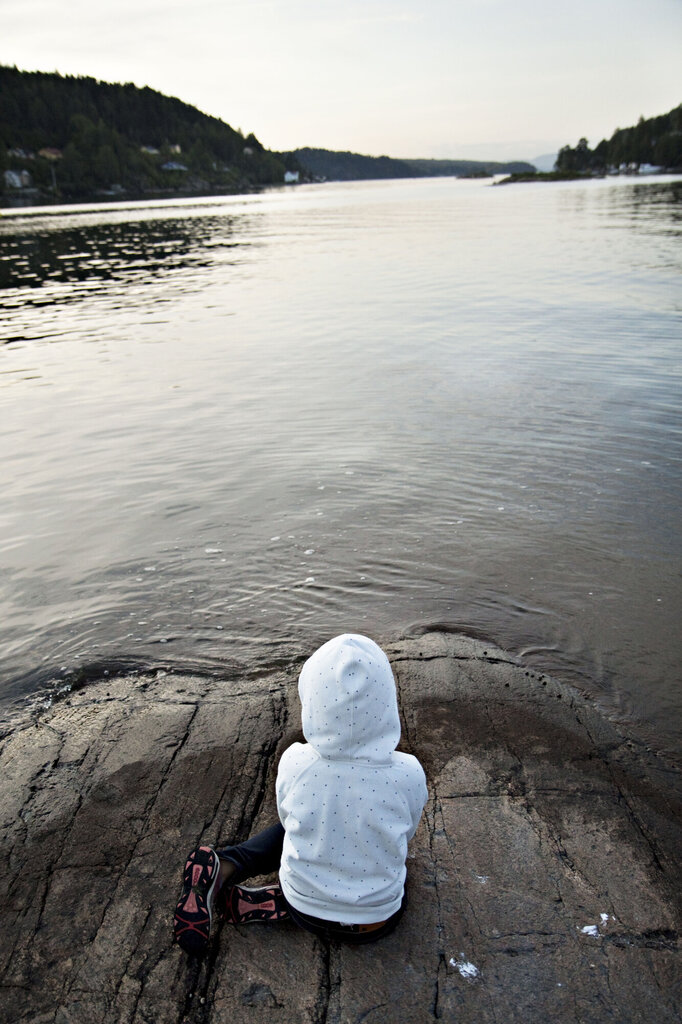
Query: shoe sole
193	920
249	906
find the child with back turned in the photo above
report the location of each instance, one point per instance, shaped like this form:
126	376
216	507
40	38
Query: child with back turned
348	803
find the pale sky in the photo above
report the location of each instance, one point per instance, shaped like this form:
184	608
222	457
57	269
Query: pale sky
436	78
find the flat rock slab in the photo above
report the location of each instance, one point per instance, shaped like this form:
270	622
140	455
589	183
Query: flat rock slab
543	882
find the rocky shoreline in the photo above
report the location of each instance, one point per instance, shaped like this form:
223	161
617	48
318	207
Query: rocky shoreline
543	882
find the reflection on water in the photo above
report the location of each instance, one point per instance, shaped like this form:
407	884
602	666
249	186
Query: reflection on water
112	251
265	420
656	206
44	261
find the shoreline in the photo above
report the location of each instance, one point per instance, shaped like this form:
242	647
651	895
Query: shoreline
42	201
547	858
522	179
46	202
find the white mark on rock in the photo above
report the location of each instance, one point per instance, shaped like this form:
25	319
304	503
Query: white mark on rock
213	551
465	967
590	929
482	878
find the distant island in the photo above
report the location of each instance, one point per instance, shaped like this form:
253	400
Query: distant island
69	139
652	145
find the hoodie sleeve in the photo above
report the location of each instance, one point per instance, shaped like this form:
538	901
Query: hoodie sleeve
414	788
294	760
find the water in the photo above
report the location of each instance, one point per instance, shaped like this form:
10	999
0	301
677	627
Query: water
233	428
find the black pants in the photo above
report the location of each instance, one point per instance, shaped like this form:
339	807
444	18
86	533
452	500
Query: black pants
261	855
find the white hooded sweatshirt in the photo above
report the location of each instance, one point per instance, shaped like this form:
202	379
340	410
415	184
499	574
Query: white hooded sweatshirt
348	802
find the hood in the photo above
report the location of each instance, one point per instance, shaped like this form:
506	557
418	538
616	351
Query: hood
348	700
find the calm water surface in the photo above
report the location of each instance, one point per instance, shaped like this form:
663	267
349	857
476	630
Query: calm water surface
232	428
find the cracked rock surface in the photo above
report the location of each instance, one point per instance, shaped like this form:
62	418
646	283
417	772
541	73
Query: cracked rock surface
543	882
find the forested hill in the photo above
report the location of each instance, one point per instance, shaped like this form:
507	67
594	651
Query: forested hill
325	164
341	166
76	137
655	140
468	168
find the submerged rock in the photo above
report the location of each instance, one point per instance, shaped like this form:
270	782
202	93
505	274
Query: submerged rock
543	881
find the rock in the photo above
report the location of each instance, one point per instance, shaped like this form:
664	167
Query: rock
543	882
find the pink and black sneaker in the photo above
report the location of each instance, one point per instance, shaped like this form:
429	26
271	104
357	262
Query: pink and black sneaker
194	913
241	905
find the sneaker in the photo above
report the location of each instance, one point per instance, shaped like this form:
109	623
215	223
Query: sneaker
240	905
194	913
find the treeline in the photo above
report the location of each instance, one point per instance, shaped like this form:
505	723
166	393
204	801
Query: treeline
468	168
73	137
342	166
656	141
325	164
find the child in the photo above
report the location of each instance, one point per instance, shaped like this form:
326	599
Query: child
347	802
